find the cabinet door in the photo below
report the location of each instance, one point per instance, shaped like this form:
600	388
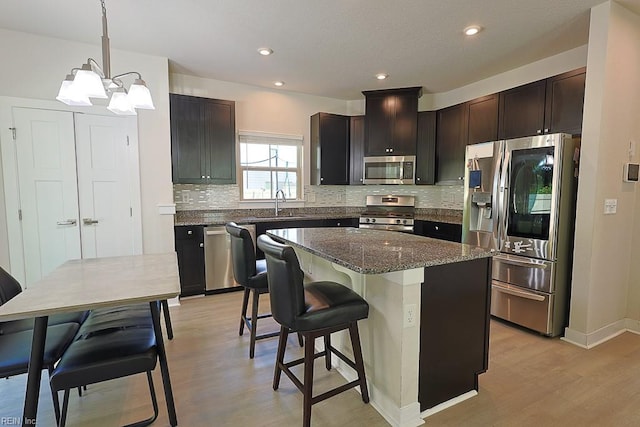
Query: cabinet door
378	128
329	149
404	120
189	160
190	253
565	102
522	111
483	119
451	138
219	137
426	148
356	147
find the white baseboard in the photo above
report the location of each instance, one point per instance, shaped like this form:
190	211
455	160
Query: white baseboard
595	338
449	403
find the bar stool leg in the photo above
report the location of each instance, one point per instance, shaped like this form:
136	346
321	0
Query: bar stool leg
357	355
309	353
327	352
282	343
167	318
243	314
254	323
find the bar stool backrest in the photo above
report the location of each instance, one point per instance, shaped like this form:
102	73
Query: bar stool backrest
9	286
285	277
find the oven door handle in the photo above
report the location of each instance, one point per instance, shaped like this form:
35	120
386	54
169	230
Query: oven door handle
519	263
517	293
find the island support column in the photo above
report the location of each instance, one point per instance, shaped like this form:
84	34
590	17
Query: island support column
390	344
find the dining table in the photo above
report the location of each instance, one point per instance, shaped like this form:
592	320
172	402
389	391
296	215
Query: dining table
86	284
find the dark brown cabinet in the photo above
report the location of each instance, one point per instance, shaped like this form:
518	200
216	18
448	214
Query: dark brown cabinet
565	102
451	140
391	121
547	106
203	149
190	252
482	119
426	148
329	149
439	230
356	147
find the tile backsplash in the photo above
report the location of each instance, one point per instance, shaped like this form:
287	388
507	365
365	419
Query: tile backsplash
207	197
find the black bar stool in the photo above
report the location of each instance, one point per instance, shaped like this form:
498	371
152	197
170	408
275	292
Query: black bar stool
252	275
314	310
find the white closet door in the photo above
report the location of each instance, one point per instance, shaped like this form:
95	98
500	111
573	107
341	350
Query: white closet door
46	164
107	185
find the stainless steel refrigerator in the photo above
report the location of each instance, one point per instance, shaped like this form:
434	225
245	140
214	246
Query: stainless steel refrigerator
519	199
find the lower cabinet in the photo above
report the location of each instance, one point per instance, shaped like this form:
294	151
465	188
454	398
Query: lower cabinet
439	230
454	330
190	249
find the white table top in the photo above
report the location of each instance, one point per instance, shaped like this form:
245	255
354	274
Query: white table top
98	282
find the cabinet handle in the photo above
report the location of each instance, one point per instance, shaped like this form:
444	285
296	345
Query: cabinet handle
461	178
208	177
189	231
202	245
202	176
67	222
539	131
89	221
338	224
321	179
437	228
391	150
418	179
360	179
546	130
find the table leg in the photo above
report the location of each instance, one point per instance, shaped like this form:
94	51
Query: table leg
35	371
164	367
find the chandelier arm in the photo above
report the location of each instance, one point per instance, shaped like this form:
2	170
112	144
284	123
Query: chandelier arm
126	74
95	67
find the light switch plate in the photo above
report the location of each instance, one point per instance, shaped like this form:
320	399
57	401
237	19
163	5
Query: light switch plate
610	206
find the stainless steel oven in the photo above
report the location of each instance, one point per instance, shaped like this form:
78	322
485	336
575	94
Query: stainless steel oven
395	213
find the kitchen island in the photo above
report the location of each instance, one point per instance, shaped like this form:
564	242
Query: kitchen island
427	335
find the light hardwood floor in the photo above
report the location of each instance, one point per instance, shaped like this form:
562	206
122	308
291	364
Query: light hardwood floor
532	381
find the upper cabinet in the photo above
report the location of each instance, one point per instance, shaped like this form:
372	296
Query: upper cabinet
546	106
482	119
391	121
426	148
203	149
356	144
451	140
329	149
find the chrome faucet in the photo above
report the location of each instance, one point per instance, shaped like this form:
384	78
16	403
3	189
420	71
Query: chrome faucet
284	199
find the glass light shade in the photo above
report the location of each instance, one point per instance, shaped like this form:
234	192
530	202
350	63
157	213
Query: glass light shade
89	83
120	105
69	96
139	96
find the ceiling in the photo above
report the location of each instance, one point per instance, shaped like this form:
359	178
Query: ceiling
330	48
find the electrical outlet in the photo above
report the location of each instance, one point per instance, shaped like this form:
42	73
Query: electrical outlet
610	206
410	315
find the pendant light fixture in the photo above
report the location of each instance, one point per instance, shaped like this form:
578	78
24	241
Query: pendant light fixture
93	81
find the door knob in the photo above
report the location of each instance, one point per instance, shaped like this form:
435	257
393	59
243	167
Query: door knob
67	222
89	221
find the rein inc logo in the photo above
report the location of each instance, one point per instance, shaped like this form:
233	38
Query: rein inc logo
11	421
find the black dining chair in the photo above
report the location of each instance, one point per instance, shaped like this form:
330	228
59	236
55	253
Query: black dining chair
252	275
314	310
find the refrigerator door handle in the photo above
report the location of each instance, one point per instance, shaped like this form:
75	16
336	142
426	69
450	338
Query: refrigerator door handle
517	293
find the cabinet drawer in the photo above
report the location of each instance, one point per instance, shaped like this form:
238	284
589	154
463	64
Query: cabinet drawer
524	307
442	230
185	232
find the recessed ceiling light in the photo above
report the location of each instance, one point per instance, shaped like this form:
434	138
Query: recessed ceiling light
381	76
472	30
265	51
278	83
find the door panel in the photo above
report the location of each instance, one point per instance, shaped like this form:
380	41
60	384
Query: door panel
104	186
46	166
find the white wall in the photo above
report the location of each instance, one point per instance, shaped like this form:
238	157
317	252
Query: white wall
605	280
33	67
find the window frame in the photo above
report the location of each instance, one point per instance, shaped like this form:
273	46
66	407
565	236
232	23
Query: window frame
267	138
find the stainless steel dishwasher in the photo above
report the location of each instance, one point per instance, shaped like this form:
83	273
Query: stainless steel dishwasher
217	257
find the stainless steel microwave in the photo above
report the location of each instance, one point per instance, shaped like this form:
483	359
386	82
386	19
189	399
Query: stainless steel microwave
389	170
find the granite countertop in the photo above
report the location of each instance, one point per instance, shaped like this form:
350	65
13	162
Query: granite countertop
252	216
376	251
